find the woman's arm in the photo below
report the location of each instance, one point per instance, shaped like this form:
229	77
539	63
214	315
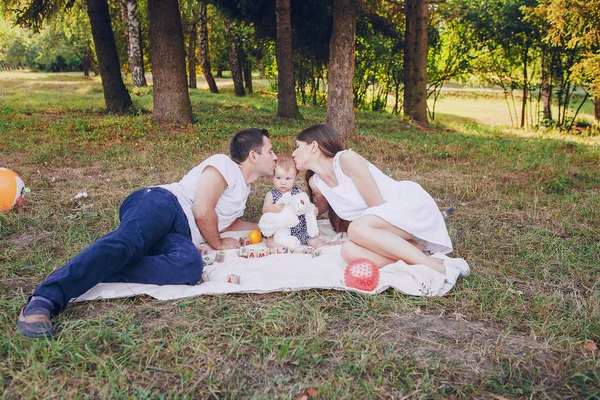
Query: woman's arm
320	202
357	169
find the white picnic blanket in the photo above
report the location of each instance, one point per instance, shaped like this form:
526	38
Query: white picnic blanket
285	272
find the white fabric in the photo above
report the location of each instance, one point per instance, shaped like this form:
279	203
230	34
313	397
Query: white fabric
407	206
232	202
286	272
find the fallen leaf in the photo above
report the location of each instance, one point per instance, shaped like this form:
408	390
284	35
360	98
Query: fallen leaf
590	345
312	392
302	397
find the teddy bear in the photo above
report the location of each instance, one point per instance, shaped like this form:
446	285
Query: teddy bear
279	224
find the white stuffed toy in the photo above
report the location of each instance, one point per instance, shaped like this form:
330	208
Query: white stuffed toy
279	224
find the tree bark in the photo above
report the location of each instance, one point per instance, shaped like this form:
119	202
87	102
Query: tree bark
171	96
340	105
546	85
415	60
87	62
134	44
116	97
287	107
236	69
261	68
525	87
248	74
191	54
597	108
203	48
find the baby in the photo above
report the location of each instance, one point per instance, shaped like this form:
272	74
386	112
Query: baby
284	181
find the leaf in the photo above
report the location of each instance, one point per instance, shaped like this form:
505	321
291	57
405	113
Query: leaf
312	392
590	345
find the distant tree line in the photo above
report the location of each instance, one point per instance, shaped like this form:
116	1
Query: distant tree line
367	54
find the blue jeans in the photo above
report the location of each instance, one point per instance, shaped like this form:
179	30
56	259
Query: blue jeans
151	245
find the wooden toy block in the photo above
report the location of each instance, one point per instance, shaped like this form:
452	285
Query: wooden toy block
204	248
232	278
317	252
245	241
208	259
220	256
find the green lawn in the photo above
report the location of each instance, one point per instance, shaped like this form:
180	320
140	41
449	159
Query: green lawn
522	325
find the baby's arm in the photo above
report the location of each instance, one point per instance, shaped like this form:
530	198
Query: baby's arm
268	205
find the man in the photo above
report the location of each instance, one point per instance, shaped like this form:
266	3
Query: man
160	228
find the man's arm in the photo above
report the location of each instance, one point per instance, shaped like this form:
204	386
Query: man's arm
210	188
241	225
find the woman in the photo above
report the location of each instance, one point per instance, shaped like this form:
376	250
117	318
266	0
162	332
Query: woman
389	220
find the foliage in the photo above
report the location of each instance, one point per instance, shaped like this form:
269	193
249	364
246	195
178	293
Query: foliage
56	47
573	24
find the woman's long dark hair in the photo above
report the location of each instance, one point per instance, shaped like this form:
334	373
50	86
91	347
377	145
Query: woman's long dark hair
329	143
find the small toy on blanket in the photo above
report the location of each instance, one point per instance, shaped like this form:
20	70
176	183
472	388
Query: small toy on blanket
362	274
279	224
209	255
262	251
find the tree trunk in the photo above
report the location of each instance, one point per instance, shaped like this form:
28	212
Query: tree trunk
219	71
546	86
191	54
261	68
525	87
287	107
415	60
116	97
409	56
236	70
340	105
87	62
203	48
171	97
134	44
597	108
248	74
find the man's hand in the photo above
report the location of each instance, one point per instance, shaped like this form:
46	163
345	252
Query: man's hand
228	243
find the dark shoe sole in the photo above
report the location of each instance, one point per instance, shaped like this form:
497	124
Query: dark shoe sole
35	325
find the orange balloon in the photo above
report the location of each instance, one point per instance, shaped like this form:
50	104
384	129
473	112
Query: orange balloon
255	236
11	189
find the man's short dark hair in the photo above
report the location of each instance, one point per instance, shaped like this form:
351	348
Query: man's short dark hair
245	141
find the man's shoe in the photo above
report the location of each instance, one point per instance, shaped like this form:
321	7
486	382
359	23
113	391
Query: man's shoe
34	320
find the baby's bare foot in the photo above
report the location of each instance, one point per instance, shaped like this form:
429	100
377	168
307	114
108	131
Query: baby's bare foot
317	242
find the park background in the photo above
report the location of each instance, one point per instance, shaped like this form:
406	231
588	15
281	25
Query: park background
504	129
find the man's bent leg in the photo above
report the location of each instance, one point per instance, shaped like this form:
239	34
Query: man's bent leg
147	216
174	260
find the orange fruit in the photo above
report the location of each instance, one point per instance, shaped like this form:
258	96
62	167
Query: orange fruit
255	236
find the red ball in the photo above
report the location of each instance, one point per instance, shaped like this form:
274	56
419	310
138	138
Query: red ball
362	274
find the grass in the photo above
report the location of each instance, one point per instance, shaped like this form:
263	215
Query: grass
527	219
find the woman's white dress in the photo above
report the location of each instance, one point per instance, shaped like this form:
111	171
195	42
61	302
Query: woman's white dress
407	206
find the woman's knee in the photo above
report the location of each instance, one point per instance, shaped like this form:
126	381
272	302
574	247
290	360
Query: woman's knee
357	228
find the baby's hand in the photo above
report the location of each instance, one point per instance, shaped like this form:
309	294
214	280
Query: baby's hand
277	208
